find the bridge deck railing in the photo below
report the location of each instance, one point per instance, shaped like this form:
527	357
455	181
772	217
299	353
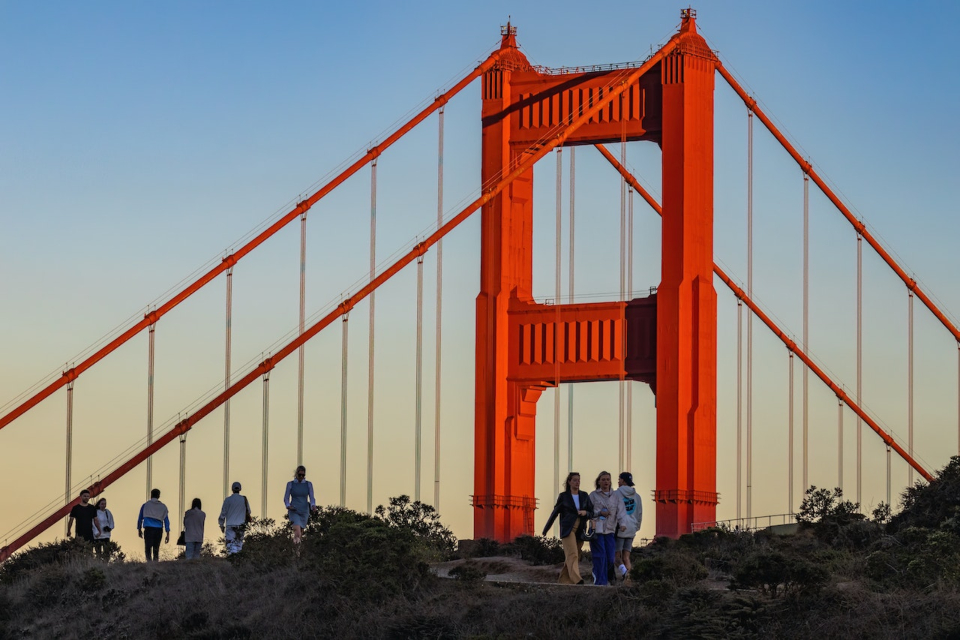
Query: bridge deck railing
746	524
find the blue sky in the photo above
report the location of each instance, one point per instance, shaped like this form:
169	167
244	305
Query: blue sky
141	141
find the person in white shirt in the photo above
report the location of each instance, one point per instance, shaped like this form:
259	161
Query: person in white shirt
233	519
101	541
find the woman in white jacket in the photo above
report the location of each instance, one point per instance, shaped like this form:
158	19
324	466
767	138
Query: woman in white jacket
634	511
101	543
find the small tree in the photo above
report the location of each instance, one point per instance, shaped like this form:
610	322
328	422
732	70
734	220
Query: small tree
420	519
822	506
881	514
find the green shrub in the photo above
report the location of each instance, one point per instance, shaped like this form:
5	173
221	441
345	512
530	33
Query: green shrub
676	568
484	548
368	558
423	521
931	504
468	572
537	550
92	580
44	554
655	592
773	573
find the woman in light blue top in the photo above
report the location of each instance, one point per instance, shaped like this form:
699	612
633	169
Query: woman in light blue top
299	500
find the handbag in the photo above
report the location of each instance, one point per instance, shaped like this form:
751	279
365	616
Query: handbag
589	532
182	539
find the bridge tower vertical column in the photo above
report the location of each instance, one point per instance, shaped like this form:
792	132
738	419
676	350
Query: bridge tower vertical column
505	412
686	299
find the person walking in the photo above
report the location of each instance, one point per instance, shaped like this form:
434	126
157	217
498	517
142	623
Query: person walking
634	511
101	543
299	491
151	522
233	520
193	521
85	515
611	518
573	508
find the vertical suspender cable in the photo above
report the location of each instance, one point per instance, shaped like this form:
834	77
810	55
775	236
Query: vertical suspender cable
301	354
343	412
373	269
840	443
150	361
859	367
436	397
557	331
570	300
183	471
790	440
226	384
623	266
958	398
419	382
910	386
629	297
266	445
739	406
749	315
888	475
806	326
68	489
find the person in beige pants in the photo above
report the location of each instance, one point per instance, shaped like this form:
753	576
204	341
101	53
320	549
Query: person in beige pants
573	507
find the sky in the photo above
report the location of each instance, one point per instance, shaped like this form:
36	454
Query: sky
140	143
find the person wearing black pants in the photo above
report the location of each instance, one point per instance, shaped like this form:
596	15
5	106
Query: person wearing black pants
151	523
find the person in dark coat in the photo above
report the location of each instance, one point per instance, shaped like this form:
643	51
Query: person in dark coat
572	508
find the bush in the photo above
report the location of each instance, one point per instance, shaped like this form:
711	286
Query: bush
676	568
364	557
468	572
918	558
368	558
537	550
773	573
931	505
481	548
44	554
423	521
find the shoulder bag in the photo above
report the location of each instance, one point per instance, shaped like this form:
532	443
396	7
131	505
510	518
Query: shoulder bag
589	532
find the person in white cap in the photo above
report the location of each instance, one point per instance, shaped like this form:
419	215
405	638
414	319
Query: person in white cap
634	510
233	520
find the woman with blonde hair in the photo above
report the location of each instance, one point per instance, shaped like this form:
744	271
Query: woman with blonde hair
573	507
611	517
295	498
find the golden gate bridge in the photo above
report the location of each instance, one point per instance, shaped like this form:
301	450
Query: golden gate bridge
667	339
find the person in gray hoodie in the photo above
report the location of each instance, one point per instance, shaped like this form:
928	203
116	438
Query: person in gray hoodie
634	510
611	518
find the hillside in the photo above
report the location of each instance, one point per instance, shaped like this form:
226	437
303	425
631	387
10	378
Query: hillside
357	576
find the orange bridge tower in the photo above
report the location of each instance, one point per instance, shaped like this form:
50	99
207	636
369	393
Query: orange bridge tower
667	340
